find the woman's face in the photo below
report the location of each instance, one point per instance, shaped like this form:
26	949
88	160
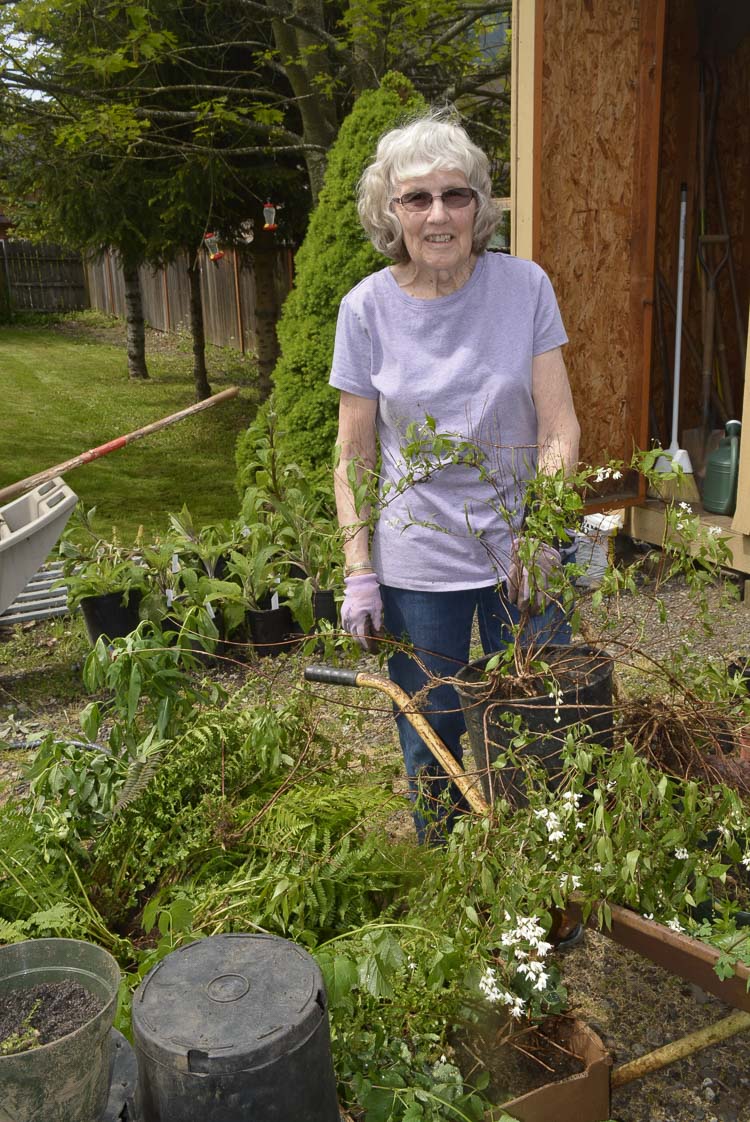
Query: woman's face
438	239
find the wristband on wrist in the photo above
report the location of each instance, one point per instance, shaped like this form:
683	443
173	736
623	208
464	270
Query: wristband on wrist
357	567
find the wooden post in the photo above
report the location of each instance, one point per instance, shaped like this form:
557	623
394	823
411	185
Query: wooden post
525	126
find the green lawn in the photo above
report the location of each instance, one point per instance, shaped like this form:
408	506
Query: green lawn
64	389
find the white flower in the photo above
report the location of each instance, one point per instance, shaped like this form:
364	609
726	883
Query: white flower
443	1059
648	915
572	797
712	531
617	475
674	924
597	867
686	506
556	835
516	1003
746	860
570	880
489	987
681	853
412	964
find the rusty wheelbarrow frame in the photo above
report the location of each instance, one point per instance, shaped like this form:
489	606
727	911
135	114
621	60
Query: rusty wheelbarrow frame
675	952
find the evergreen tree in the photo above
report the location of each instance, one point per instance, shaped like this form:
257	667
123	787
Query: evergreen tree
334	256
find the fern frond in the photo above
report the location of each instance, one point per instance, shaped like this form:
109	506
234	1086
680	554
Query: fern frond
12	932
140	774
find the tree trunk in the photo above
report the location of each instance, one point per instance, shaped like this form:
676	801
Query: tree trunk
267	314
200	374
136	331
306	69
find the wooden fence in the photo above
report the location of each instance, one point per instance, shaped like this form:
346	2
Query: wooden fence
42	277
240	292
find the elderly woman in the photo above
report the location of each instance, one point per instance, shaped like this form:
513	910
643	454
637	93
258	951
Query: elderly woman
471	340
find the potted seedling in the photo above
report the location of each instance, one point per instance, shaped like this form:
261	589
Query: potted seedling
104	578
299	519
254	607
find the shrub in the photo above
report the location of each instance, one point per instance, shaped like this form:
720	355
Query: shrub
334	256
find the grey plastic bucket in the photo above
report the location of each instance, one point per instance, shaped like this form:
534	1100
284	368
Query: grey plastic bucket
234	1028
68	1079
585	677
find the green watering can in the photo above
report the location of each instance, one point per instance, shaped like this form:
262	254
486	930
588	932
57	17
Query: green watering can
722	469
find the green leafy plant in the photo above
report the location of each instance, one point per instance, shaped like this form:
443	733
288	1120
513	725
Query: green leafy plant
95	567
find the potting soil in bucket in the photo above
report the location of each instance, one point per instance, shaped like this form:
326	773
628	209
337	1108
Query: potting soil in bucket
582	695
234	1028
67	1079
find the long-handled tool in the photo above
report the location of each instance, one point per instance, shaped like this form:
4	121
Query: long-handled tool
32	481
675	456
711	270
338	676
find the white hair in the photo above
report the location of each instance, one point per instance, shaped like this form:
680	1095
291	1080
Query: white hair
435	142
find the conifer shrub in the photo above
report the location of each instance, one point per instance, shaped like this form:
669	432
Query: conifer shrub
334	256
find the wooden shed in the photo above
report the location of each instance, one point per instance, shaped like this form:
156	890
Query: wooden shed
616	103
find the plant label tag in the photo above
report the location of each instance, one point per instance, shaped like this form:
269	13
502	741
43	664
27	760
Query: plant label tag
175	563
209	609
170	597
275	600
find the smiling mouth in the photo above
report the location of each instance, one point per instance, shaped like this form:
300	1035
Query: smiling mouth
439	239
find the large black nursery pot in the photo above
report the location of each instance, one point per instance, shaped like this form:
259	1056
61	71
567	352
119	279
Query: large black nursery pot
584	678
68	1079
114	614
235	1027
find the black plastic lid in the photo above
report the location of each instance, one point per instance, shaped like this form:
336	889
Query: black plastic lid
228	1003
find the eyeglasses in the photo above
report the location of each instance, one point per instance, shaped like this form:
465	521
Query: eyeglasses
454	198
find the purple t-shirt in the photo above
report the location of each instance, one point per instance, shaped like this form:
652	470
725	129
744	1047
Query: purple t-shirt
464	360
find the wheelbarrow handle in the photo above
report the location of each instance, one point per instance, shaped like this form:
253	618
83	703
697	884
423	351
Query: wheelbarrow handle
332	675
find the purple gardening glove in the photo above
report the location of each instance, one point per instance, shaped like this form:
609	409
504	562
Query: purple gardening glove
546	560
362	609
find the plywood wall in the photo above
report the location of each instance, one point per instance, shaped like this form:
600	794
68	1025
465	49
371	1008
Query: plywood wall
597	181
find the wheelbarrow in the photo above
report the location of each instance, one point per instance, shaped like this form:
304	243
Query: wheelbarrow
31	525
677	953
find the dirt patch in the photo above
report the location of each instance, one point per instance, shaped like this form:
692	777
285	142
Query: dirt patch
522	1061
635	1006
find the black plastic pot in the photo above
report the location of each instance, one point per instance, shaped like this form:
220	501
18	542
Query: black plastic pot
108	615
584	676
271	631
68	1079
234	1027
324	606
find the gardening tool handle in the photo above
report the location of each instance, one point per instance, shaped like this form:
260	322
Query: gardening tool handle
332	675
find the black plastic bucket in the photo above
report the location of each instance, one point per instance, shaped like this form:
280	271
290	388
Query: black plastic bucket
584	676
108	615
234	1027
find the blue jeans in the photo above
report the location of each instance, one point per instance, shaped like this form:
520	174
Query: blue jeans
438	625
